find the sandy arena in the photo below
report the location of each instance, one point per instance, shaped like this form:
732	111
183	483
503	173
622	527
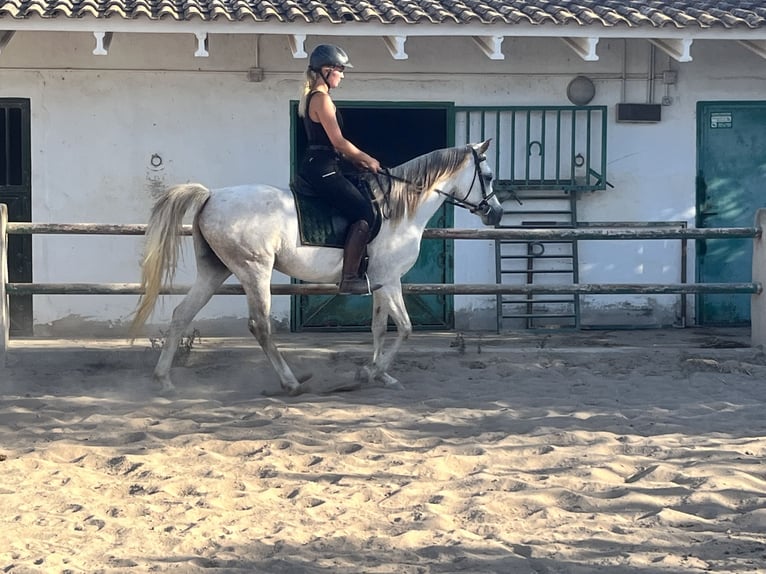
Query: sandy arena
630	452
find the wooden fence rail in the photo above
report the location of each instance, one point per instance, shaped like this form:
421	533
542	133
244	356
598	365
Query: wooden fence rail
21	228
408	288
758	307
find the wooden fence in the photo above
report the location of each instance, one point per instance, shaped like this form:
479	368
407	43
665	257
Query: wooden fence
755	287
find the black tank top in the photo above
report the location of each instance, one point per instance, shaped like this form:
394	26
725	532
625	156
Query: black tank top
314	130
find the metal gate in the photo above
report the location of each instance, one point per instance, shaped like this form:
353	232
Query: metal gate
543	156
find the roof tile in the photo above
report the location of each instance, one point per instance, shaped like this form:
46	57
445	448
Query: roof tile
608	13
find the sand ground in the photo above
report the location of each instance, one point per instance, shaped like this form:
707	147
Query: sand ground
561	452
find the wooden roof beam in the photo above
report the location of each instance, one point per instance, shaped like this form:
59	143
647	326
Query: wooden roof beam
677	48
5	38
395	45
584	47
490	45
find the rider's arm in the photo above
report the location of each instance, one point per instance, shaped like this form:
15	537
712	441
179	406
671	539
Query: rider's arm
323	111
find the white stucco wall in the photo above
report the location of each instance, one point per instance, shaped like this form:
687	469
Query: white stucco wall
97	122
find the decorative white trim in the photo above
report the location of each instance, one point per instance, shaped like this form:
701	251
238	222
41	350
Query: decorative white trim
103	41
296	42
201	45
490	45
584	47
755	46
395	45
678	49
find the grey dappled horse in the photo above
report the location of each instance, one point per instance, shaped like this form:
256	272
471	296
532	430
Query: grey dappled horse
251	230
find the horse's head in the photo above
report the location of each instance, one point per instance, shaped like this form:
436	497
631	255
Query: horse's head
480	198
459	175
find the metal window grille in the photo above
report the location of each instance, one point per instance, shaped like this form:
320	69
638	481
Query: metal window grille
540	147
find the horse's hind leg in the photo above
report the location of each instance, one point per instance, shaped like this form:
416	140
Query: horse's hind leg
257	287
211	273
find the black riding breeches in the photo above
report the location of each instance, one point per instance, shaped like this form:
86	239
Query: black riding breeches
323	171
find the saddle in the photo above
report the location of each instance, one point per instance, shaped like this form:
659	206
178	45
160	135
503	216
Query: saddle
322	224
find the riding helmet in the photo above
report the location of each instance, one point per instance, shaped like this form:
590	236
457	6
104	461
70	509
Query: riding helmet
328	55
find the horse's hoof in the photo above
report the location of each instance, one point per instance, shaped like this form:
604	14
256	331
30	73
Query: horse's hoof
295	391
364	375
304	377
390	382
371	376
292	390
166	386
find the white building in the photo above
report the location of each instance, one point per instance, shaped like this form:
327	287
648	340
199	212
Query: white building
102	104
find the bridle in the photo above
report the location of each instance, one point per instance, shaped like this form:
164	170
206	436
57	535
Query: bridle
482	208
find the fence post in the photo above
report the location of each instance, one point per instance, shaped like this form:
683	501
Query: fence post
5	318
758	300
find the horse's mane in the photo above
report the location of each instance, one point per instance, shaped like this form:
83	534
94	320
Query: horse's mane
403	192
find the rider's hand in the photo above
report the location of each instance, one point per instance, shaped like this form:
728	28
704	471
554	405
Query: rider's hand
371	164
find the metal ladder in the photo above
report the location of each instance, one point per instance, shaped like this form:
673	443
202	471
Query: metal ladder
538	262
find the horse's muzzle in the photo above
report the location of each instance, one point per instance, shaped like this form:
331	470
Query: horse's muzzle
491	215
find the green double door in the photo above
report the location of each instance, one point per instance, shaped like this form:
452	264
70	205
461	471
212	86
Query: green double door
394	134
731	186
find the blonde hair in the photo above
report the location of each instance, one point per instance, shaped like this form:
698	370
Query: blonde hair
309	81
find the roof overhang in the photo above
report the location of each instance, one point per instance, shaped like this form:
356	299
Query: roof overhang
583	40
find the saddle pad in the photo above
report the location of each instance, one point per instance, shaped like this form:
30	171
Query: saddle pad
320	224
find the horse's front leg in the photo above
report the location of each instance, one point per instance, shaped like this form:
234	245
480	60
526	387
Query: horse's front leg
387	301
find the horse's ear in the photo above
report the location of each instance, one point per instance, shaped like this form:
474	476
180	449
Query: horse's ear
484	146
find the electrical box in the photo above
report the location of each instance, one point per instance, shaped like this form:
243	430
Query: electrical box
639	113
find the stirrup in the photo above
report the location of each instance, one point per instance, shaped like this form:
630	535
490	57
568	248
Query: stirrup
359	285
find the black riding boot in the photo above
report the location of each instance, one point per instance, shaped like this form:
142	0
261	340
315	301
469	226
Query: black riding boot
351	282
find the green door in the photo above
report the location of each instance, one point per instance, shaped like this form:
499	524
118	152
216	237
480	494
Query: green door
16	193
731	185
393	133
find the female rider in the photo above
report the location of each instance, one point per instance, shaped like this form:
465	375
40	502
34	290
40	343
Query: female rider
321	166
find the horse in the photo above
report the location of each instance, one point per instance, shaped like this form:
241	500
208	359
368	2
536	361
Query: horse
251	230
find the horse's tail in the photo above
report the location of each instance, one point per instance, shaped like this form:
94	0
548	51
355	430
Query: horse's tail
163	245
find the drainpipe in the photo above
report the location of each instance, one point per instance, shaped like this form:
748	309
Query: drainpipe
650	83
624	67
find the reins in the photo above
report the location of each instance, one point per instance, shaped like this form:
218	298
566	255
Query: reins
385	204
482	207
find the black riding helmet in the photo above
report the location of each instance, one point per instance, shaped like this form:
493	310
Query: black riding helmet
328	55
